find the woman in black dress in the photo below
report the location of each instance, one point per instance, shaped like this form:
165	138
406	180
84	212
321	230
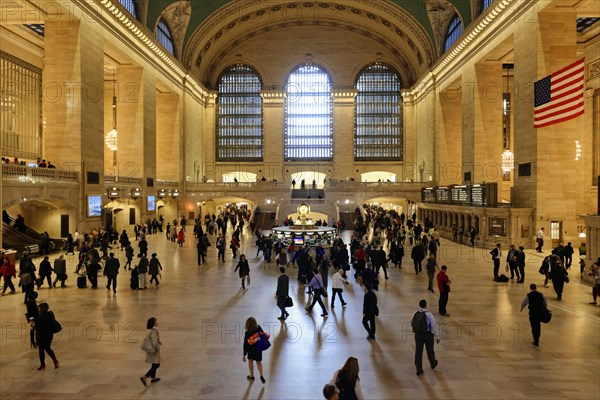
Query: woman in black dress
252	353
45	326
244	268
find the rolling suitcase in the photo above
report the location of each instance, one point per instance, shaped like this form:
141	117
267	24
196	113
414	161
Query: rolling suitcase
81	282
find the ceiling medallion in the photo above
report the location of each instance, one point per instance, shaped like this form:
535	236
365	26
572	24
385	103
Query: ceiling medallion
355	11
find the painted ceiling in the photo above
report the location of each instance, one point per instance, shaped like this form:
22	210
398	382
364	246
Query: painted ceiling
428	13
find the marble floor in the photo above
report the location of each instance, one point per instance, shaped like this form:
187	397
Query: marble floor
485	352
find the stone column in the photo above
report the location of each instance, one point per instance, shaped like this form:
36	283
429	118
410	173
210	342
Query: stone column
482	121
343	134
72	102
449	147
273	117
168	137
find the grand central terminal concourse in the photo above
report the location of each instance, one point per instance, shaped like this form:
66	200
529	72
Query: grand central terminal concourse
284	199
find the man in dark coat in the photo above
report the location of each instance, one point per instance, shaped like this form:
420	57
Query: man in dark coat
370	311
283	286
111	270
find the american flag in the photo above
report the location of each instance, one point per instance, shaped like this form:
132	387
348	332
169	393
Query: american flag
559	97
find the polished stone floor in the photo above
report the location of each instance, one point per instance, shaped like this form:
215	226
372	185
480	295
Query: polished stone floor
485	352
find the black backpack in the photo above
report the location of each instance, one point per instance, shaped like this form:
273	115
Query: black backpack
419	323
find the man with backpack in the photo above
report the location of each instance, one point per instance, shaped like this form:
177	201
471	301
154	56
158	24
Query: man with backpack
425	329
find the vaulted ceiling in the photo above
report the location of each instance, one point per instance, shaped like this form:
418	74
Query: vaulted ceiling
205	31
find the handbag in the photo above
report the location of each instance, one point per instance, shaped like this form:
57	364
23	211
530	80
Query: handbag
289	302
147	345
56	327
25	279
263	341
545	316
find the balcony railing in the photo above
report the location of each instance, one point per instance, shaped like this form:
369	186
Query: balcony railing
26	174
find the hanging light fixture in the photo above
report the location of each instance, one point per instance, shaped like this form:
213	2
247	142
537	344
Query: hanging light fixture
111	138
508	161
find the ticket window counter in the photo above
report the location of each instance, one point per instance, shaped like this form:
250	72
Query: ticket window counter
556	235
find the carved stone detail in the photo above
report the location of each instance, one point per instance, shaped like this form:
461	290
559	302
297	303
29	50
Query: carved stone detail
439	12
593	70
178	17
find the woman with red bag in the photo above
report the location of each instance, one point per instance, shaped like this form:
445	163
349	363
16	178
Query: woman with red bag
251	348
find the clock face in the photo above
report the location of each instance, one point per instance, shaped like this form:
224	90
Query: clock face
303	209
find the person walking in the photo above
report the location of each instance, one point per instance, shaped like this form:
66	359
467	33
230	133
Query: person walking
26	275
151	345
111	270
425	330
316	285
70	244
181	237
92	270
244	268
537	304
521	264
431	266
154	269
595	273
251	352
142	271
143	246
60	270
559	276
568	255
539	238
283	287
45	328
347	381
337	287
417	254
370	311
31	315
128	256
45	273
496	254
444	287
7	270
324	270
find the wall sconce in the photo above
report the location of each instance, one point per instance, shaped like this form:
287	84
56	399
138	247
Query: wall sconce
175	193
136	193
161	193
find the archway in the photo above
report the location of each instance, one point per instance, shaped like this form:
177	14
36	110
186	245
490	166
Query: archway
378	176
309	177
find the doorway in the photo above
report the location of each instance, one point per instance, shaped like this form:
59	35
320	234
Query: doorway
556	233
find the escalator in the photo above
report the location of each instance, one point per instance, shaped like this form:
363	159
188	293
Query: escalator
348	218
13	238
265	220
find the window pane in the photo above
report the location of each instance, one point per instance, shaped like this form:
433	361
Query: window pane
378	115
454	32
129	5
485	4
163	34
239	115
308	115
20	108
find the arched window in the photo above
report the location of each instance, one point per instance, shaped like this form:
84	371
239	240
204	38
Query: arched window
130	6
485	4
378	114
239	115
308	115
454	32
163	34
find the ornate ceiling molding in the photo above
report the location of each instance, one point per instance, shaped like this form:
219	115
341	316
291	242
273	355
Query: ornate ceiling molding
439	13
178	17
241	20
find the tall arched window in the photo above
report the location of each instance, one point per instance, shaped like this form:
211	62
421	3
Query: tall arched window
378	114
130	6
239	115
163	34
454	32
308	115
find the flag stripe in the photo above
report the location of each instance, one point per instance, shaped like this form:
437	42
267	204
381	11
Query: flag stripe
559	96
563	110
556	121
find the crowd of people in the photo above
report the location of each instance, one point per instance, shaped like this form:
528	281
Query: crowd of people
377	243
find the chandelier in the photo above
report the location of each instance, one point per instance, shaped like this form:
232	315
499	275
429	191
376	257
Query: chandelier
508	161
111	138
